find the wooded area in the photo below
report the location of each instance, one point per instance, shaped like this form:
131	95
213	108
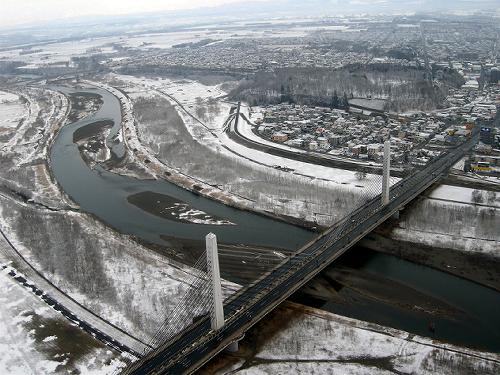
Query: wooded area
405	88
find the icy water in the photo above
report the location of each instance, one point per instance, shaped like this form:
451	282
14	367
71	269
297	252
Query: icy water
470	313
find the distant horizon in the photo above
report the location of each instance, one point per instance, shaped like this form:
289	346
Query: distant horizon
33	13
14	15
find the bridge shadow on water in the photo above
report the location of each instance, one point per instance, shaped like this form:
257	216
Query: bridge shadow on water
383	289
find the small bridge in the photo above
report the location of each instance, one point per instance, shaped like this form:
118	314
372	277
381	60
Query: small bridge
198	342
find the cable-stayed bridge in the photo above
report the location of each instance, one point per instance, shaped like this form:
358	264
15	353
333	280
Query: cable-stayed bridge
194	333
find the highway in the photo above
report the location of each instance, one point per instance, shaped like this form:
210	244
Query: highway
197	344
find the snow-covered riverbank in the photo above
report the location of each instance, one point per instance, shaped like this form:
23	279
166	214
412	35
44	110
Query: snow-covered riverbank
296	339
230	174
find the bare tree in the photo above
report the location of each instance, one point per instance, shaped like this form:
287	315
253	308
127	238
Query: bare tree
477	196
491	197
360	175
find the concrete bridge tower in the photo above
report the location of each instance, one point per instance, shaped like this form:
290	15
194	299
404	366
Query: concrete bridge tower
213	270
386	173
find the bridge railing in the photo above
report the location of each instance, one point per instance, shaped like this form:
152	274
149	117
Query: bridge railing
341	228
252	295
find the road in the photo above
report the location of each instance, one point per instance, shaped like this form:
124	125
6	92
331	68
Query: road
193	347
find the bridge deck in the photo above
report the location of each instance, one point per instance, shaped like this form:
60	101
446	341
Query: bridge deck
197	344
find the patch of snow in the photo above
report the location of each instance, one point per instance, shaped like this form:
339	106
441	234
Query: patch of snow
12	111
311	341
461	194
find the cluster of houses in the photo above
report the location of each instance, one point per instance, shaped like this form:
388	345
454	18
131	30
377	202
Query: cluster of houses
250	55
475	105
342	133
414	138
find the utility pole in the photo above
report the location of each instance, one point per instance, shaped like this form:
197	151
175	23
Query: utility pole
386	173
213	270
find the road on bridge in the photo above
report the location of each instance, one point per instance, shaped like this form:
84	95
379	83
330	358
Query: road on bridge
197	344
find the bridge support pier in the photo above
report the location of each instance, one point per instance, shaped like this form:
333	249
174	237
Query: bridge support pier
395	215
386	174
213	270
233	347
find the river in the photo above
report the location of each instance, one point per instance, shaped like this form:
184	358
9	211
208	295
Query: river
362	284
106	195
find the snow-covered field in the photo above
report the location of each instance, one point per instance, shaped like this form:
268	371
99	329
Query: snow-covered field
24	149
464	195
117	278
449	218
298	340
12	111
35	339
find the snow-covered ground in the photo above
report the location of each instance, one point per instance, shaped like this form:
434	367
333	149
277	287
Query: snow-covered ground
59	52
35	339
25	146
12	111
298	340
465	195
145	154
118	279
449	218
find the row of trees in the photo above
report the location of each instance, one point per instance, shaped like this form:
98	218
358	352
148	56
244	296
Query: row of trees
335	101
478	197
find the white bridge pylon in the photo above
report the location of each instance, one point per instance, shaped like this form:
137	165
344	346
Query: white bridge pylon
386	174
213	270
